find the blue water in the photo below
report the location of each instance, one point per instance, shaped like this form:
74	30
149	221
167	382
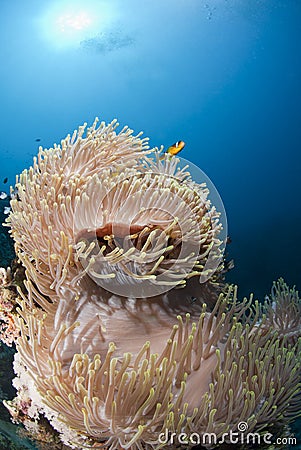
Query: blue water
222	75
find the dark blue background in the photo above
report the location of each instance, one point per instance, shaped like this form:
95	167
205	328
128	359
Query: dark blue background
223	75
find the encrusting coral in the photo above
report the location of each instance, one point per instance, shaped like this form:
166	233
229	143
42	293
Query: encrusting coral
127	332
9	330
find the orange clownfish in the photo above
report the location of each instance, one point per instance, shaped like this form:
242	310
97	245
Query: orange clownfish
174	149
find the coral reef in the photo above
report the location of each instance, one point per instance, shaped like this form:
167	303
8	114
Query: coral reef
9	330
6	243
125	329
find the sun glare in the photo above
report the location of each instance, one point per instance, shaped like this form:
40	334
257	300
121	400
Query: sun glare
66	24
77	22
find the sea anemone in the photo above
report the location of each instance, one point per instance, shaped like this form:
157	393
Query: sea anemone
283	311
131	226
127	330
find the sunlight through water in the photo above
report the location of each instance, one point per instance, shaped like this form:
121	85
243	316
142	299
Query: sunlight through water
65	24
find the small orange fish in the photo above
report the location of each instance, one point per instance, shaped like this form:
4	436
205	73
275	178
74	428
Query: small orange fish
175	148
